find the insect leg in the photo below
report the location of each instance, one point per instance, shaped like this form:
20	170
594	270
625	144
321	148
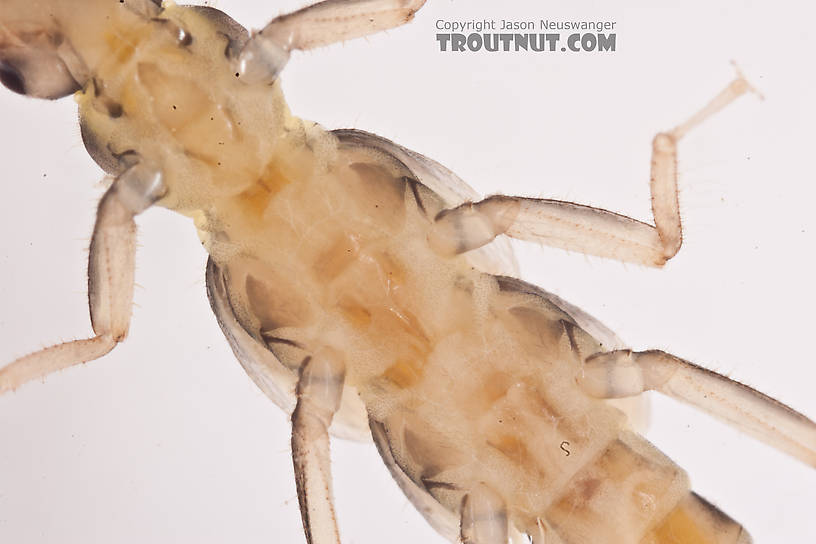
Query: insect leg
110	279
576	227
324	23
484	517
319	392
544	534
624	373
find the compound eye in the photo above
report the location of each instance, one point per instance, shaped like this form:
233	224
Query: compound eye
11	78
36	67
40	77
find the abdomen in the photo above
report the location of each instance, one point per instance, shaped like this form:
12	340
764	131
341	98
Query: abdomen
470	376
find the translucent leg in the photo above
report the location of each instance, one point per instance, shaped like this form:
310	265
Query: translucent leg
624	373
484	517
319	391
110	280
324	23
585	229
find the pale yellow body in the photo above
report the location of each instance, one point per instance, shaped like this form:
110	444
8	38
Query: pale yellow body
327	247
323	244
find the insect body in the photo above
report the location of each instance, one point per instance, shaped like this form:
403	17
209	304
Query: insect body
371	276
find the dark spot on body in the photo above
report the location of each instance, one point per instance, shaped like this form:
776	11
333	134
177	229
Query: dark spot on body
412	183
569	328
115	110
431	485
271	340
588	488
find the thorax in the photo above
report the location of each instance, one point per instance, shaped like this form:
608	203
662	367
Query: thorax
181	107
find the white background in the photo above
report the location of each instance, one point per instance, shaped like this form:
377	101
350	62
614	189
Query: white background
167	440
